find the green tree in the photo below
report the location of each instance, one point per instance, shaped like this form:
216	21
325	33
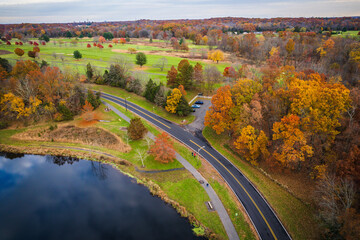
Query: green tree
151	89
45	38
183	108
108	35
68	34
116	76
65	112
136	129
77	54
185	74
140	59
89	71
92	99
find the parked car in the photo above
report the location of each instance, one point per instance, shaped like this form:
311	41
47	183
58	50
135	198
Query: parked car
199	102
200	94
193	110
195	106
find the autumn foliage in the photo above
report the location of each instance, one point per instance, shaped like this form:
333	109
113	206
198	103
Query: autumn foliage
136	129
162	149
19	52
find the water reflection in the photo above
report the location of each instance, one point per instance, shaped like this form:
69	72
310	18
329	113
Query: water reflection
74	199
99	170
61	160
11	155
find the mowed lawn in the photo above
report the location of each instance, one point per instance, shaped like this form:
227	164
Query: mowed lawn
59	52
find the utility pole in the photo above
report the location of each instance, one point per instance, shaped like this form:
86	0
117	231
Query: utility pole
126	103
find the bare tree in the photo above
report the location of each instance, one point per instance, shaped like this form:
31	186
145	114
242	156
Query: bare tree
141	155
334	198
161	63
148	142
125	64
211	76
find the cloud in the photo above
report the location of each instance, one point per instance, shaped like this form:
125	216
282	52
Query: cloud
38	11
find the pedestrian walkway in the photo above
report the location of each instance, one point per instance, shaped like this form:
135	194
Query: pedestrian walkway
214	198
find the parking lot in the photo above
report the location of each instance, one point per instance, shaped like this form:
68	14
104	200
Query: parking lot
198	124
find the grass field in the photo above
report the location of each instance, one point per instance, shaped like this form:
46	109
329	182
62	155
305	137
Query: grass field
58	52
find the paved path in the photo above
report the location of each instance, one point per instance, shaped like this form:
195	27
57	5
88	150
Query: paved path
215	200
263	217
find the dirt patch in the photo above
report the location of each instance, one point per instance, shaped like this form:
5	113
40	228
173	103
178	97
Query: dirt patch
92	136
143	68
3	52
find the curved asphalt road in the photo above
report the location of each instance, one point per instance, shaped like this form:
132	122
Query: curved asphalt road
262	216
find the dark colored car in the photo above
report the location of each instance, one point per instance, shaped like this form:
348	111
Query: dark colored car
193	110
200	94
199	102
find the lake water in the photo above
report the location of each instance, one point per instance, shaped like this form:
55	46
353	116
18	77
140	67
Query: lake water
47	197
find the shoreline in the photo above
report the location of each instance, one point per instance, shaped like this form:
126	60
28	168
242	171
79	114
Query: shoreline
120	165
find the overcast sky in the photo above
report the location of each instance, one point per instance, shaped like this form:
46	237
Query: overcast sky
51	11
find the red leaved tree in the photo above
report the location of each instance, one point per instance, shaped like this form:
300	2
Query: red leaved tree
163	149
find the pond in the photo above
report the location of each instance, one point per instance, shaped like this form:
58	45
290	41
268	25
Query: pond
48	197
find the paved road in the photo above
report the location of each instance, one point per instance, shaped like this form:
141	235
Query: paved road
215	200
266	223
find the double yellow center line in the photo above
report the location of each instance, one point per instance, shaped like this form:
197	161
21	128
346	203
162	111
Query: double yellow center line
119	99
252	200
262	215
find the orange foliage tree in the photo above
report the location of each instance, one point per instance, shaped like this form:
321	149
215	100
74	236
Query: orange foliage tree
171	77
19	52
102	39
87	111
293	148
163	149
218	117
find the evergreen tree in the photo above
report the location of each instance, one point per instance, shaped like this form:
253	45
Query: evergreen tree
151	89
183	108
77	54
92	99
185	74
115	77
65	112
68	34
89	71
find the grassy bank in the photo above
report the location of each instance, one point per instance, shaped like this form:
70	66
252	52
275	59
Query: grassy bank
59	52
179	185
142	102
297	217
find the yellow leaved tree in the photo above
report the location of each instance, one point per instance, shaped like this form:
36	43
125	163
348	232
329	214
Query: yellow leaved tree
216	55
11	103
251	145
173	101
